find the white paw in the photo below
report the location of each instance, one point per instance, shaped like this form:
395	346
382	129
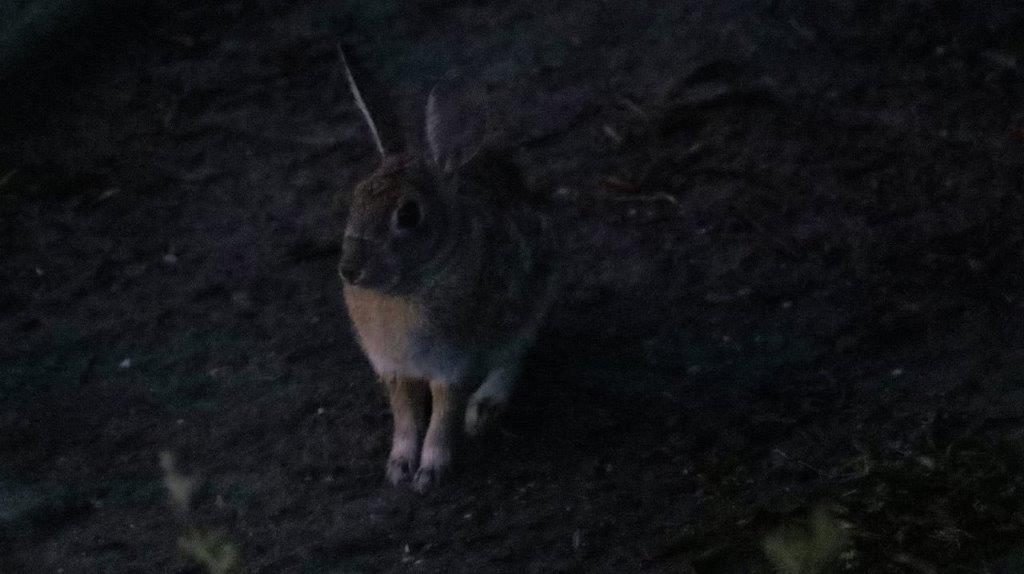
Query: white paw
402	462
434	465
482	412
400	469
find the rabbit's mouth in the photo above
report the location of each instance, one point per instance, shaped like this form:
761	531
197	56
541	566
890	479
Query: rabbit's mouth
365	277
361	265
355	256
352	274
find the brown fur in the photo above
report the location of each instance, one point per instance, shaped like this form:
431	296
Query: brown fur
448	274
385	323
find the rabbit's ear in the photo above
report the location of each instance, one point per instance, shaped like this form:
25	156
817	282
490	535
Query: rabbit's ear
367	93
455	123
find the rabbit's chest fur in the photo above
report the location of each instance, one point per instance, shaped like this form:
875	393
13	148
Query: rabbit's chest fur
485	304
397	337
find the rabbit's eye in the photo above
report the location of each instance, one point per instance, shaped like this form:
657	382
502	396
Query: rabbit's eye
407	217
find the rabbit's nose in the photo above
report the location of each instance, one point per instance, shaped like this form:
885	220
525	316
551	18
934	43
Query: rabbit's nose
354	252
351	271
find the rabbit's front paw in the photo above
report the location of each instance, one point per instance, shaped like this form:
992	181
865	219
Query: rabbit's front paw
400	469
402	462
433	467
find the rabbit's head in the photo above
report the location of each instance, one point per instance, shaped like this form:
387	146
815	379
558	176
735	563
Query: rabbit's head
401	218
397	222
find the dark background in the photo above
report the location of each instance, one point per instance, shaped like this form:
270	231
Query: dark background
801	226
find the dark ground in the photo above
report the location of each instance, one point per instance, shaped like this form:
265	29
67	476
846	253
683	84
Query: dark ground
809	291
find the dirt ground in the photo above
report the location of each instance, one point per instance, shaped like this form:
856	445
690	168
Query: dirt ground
800	256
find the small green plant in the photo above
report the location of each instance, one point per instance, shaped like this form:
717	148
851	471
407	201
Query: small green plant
179	487
806	547
210	548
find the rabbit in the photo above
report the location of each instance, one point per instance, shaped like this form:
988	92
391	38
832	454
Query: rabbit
447	275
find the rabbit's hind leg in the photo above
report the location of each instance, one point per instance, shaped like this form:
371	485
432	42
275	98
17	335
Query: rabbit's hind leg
409	402
489	401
